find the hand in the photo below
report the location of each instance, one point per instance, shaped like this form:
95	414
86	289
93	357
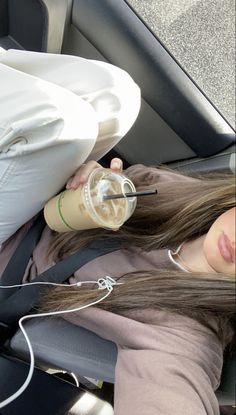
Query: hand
82	173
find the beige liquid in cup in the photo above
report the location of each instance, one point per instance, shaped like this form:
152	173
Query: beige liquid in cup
84	208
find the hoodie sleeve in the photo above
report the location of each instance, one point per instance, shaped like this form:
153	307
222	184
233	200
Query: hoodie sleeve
178	376
142	175
166	364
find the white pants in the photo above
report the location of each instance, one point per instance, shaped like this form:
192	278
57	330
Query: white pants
56	112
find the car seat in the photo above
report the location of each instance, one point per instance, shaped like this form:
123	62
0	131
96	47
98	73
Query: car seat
61	345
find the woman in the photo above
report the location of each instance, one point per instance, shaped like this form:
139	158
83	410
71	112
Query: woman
174	315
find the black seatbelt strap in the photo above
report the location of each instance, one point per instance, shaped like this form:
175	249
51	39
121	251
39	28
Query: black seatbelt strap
15	268
22	301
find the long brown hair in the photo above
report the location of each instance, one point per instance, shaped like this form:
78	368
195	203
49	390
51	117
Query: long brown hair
183	210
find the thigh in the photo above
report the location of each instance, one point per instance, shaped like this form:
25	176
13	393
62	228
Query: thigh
28	181
46	132
111	91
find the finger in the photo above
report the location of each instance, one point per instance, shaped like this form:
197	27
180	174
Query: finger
82	174
116	164
69	181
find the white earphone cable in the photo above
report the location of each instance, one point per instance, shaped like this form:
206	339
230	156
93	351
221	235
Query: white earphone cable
103	283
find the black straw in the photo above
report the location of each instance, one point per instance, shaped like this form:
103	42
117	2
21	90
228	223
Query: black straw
131	194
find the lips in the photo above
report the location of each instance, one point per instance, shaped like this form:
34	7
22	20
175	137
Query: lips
225	248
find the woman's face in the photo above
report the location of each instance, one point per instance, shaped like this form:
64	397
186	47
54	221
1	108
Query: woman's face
219	243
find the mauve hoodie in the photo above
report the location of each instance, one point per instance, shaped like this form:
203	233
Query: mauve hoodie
167	364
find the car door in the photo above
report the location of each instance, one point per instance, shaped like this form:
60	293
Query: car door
178	124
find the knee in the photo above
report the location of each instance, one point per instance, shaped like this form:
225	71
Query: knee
117	103
128	95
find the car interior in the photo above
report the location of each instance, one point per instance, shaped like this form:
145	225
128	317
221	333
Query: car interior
178	126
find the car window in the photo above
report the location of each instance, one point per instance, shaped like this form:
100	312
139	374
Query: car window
200	34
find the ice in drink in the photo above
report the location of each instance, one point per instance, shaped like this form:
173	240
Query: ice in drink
85	208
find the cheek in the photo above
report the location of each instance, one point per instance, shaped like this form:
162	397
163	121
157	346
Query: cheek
226	223
210	249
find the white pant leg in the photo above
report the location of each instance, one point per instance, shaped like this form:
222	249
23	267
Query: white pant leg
106	89
46	132
110	90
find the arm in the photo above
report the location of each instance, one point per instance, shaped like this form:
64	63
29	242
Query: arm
167	364
154	383
178	377
142	175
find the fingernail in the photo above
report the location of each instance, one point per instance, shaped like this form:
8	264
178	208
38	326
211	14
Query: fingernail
116	165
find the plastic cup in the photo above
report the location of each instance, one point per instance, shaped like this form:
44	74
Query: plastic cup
84	208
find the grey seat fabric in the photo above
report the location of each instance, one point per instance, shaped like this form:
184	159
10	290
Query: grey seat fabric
36	25
60	345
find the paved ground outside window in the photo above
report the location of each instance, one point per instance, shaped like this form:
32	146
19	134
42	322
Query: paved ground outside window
200	34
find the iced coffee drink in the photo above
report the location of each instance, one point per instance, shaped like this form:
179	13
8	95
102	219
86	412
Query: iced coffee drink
92	205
